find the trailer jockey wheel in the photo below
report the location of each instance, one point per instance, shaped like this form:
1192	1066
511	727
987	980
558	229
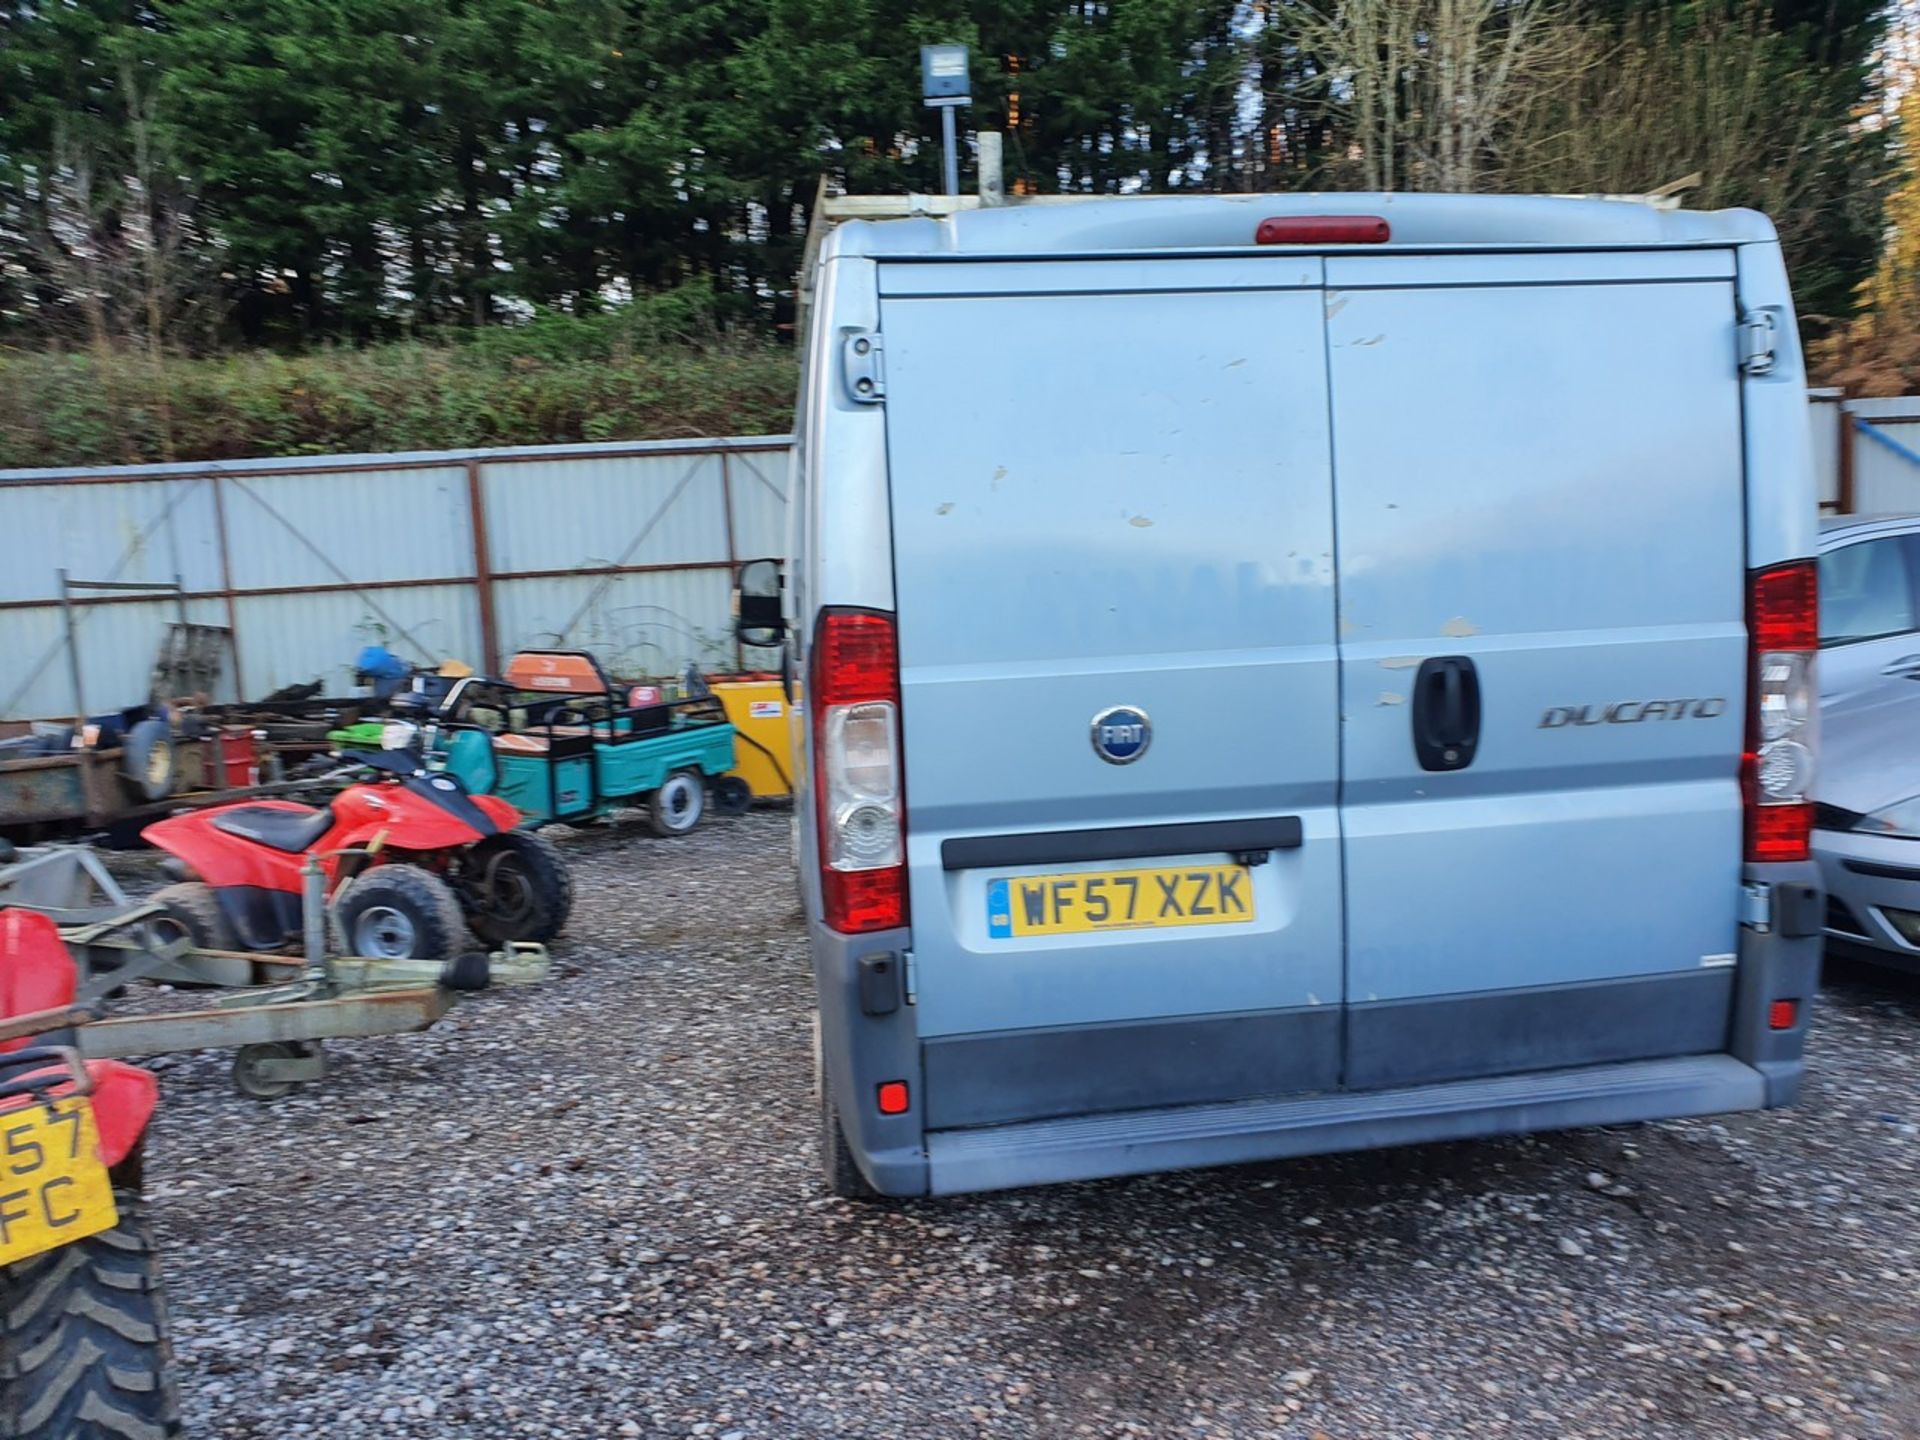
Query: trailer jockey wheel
268	1071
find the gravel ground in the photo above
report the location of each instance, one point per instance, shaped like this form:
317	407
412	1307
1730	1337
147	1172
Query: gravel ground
590	1209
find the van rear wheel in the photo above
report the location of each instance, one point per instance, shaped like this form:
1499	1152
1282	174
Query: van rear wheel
837	1165
836	1156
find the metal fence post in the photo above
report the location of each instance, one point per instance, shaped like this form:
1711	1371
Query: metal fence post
1843	463
482	567
226	582
73	651
733	550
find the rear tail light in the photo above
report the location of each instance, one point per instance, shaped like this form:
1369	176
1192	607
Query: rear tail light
857	792
1782	637
892	1097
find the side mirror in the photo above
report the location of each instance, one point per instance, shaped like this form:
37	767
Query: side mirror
757	617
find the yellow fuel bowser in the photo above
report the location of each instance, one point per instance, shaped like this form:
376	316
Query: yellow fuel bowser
757	706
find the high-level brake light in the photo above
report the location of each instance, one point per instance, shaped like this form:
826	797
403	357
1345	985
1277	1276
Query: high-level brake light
1323	230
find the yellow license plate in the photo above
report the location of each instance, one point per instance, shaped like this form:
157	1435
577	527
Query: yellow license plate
53	1188
1022	905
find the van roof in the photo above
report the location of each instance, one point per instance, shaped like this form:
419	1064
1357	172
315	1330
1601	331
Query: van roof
947	227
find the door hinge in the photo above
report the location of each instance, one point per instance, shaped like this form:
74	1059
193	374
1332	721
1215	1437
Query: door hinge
1757	343
911	975
862	366
1756	906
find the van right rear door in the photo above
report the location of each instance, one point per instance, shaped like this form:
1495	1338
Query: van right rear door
1539	497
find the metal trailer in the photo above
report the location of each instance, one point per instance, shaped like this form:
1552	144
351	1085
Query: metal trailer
278	1009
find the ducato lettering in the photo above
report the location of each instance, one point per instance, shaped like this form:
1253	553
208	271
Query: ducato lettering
1632	712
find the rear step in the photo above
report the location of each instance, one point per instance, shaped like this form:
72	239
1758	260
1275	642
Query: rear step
1137	1142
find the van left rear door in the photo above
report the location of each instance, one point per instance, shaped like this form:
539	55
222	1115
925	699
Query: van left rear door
1111	493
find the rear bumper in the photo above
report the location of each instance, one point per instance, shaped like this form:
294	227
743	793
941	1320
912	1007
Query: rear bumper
1143	1141
1866	876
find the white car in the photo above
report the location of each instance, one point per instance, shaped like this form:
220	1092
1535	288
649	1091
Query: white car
1867	823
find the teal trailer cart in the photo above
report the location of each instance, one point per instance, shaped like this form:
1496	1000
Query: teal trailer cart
555	740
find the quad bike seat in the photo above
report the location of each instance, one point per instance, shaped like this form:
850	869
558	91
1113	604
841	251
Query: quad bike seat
290	831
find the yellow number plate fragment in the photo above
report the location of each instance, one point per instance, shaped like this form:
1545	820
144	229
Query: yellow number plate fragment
1023	905
53	1187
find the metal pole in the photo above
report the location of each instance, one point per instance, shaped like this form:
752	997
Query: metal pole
1843	480
992	183
313	916
73	652
952	148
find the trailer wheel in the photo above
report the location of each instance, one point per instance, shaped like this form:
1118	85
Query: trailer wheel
84	1349
249	1077
515	887
676	807
399	912
732	795
468	972
146	759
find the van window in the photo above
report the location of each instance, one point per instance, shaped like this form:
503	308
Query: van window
1866	591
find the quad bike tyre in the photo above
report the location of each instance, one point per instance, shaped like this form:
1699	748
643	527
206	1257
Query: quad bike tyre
399	912
84	1347
195	909
515	887
676	807
147	760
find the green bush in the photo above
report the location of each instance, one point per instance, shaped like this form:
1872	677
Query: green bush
661	369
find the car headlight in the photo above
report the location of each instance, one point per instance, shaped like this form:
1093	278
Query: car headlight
1901	818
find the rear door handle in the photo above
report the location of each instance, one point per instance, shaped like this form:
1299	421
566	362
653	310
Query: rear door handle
1446	712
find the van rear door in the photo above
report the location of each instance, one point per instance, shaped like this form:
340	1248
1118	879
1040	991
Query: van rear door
1539	482
1111	498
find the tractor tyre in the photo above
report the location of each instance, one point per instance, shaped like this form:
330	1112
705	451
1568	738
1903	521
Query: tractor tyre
147	759
399	912
515	887
676	807
84	1348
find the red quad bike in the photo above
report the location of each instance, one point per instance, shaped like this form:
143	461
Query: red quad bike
84	1351
448	861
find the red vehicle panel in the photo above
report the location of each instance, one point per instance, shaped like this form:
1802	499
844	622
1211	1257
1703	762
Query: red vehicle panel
36	973
411	825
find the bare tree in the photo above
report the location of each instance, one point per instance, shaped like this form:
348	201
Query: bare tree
1424	86
1718	94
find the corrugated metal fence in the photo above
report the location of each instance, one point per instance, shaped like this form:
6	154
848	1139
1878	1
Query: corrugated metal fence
1867	453
623	549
